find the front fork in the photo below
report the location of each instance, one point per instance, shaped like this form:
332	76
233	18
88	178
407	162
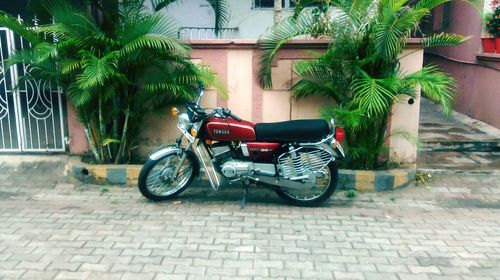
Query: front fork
183	157
205	160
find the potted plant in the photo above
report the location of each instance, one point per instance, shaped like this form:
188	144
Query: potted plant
361	69
492	21
116	61
489	42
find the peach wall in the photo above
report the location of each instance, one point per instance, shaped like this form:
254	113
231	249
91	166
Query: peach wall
77	140
236	63
405	116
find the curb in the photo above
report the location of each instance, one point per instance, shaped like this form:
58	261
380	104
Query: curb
461	146
375	181
460	171
115	174
127	175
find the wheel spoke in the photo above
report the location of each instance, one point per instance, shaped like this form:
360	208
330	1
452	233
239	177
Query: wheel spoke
320	186
160	181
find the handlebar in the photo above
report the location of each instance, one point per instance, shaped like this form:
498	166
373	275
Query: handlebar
235	117
224	113
228	113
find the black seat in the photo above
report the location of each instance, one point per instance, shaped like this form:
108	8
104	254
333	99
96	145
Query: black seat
292	131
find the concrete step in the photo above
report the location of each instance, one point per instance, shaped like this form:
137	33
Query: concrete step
460	146
459	161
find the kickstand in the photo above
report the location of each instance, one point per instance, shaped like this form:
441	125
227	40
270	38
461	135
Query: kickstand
245	192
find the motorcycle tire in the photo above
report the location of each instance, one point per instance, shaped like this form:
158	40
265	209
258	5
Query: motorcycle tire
334	174
151	164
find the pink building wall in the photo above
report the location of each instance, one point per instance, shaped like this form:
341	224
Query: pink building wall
478	88
477	75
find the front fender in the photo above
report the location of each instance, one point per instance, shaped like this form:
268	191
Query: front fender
166	150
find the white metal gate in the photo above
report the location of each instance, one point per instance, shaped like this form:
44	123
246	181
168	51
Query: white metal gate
31	112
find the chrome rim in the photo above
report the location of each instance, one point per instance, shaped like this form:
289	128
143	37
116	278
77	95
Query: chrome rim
323	179
160	181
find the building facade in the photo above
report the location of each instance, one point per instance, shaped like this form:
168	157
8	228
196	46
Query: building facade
249	18
477	73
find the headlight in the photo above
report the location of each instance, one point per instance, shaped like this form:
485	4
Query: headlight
184	121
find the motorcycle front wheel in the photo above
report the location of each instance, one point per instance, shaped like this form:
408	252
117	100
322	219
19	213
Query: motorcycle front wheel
156	180
325	186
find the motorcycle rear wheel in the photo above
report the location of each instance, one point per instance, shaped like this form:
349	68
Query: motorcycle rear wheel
154	182
314	200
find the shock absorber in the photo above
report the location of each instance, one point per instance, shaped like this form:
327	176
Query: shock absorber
297	163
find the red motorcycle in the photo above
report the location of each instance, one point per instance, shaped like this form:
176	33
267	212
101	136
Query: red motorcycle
294	158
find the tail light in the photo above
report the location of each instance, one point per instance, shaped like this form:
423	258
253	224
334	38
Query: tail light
339	134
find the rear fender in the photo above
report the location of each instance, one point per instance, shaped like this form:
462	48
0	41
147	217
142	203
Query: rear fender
339	151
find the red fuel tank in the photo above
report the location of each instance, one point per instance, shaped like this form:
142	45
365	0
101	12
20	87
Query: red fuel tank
229	129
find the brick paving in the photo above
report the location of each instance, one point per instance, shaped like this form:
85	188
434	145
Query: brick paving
54	228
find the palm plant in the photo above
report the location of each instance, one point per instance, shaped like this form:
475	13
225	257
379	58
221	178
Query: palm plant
361	70
116	65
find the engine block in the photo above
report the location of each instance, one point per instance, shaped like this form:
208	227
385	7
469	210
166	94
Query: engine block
234	168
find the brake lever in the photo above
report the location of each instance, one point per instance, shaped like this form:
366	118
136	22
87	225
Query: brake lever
228	113
220	112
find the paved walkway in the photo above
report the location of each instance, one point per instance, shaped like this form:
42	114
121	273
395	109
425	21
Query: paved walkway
54	228
456	142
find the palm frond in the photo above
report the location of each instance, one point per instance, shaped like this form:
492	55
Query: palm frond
210	79
355	12
391	32
436	85
315	78
405	135
443	39
352	120
221	13
70	21
374	96
25	56
154	32
274	41
161	4
97	71
302	4
19	27
69	66
431	4
80	98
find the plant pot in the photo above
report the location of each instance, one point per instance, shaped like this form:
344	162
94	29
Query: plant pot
497	45
488	45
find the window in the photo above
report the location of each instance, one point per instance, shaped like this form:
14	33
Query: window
270	3
263	3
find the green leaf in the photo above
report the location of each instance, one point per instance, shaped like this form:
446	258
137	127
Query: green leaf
221	12
109	141
19	27
390	33
443	39
271	43
155	32
431	4
403	134
97	71
436	85
374	96
353	120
